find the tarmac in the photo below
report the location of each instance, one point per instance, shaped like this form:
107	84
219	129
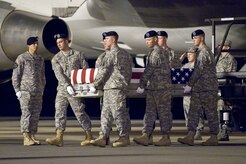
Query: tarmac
12	150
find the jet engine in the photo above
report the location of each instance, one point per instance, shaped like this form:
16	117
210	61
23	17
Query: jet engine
16	26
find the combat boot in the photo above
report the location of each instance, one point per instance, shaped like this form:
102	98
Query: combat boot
143	139
223	135
212	141
88	138
58	140
198	135
121	142
100	141
188	140
27	139
164	141
37	142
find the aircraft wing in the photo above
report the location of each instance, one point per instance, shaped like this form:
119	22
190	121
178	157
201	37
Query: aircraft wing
133	18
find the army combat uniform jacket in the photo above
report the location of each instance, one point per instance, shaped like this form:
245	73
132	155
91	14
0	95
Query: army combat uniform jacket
156	75
29	75
204	75
64	64
226	63
116	70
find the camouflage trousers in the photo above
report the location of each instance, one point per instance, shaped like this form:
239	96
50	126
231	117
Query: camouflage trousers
186	106
31	106
203	102
63	99
158	104
114	109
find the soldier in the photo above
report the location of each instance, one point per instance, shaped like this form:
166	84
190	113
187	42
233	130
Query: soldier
174	60
226	63
157	83
115	76
191	56
203	86
29	81
63	62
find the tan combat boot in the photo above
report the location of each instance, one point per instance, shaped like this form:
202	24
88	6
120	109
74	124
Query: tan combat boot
100	141
37	142
188	140
164	141
143	139
27	139
212	141
88	138
122	142
58	140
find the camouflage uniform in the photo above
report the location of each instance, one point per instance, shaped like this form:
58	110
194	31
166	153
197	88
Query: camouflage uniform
29	78
204	91
226	63
186	103
173	58
115	75
157	83
99	61
62	65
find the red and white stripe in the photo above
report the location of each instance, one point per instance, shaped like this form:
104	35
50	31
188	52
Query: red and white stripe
83	76
86	76
136	74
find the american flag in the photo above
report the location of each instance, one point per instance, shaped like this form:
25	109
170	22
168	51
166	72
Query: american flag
181	75
86	76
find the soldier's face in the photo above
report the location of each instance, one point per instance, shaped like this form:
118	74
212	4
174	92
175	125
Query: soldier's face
33	47
108	42
162	40
197	40
62	44
226	47
191	57
151	42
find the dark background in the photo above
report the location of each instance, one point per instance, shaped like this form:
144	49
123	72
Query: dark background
9	105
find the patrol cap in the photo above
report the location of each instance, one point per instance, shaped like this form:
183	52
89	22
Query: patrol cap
110	33
192	50
31	40
197	33
60	36
227	43
149	34
162	33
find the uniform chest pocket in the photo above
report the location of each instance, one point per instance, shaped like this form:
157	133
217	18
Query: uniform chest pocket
29	65
74	62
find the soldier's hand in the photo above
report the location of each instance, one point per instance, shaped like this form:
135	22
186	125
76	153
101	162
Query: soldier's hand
18	94
70	90
183	56
140	90
187	89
